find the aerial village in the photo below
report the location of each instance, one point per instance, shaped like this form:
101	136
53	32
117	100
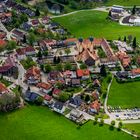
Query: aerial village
57	70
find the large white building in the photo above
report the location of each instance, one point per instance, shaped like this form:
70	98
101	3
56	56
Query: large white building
137	22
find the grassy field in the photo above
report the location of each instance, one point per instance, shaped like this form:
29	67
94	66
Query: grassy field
133	127
125	95
39	123
123	2
94	23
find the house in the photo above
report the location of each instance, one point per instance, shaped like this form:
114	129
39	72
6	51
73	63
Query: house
45	20
117	9
18	35
124	58
33	75
75	102
53	25
31	96
58	107
134	73
70	41
137	22
2	34
55	75
122	75
83	74
94	107
47	99
26	26
47	44
96	83
23	52
3	43
44	87
75	82
34	22
3	89
56	92
76	116
95	95
9	67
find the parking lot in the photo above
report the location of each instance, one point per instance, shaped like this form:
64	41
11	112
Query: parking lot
127	114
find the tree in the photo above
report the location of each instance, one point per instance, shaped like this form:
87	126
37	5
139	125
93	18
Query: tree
39	54
24	39
37	12
55	60
11	45
113	123
129	38
134	10
119	38
83	66
103	71
95	120
42	67
39	100
124	39
134	43
68	66
101	122
120	126
109	14
67	51
31	38
48	68
59	67
87	98
63	97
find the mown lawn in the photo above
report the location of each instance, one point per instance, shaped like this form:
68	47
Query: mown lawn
133	127
126	95
39	123
123	2
94	23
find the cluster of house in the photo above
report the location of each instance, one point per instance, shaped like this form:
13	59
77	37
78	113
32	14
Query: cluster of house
9	67
19	8
50	92
133	74
117	12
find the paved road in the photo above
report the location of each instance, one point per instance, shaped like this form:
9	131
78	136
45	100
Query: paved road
103	9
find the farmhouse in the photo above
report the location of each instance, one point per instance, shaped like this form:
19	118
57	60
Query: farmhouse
117	9
44	87
135	73
23	52
124	58
33	75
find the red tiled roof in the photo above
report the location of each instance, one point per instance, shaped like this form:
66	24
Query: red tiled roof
22	51
135	71
47	97
95	105
3	88
44	86
33	72
81	73
2	43
56	91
